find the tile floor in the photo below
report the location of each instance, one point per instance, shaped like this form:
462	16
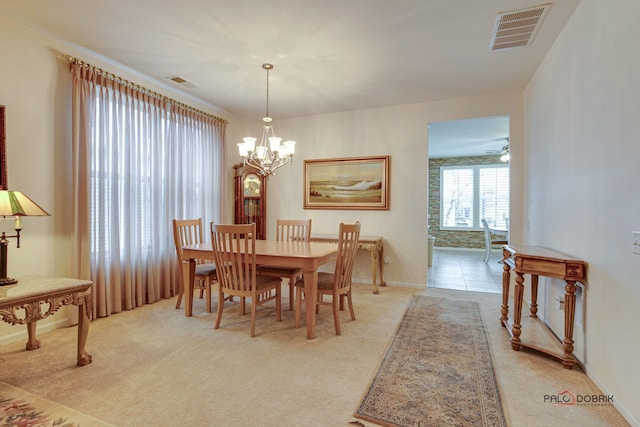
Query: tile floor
464	269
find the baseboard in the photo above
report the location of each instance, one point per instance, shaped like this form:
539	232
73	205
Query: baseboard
388	283
20	333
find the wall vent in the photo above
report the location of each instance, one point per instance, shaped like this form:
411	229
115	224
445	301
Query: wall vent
182	82
517	28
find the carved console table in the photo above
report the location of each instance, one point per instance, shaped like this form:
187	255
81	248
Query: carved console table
35	297
539	261
372	244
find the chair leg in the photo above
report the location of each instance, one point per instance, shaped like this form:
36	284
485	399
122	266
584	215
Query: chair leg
298	307
487	252
243	307
336	316
253	318
279	303
180	293
350	302
207	288
292	282
219	311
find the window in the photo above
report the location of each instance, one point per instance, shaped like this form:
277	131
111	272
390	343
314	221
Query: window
470	193
139	160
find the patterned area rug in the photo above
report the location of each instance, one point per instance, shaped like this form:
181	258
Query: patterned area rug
437	370
19	408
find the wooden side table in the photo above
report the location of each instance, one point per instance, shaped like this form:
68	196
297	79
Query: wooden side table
374	244
36	297
539	261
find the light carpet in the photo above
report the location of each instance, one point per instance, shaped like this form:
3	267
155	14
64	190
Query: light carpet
154	367
436	371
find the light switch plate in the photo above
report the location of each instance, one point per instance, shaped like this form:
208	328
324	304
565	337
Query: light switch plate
636	242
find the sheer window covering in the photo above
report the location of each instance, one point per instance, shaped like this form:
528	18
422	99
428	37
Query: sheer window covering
139	160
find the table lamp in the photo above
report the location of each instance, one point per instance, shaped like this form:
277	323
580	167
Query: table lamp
14	203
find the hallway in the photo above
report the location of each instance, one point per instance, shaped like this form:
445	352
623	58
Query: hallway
463	269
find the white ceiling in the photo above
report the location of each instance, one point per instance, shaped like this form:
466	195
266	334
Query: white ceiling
469	137
328	55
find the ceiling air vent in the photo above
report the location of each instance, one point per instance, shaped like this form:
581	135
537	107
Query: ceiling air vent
182	82
517	28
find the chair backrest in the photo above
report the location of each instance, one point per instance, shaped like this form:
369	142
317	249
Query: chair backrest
186	232
348	238
293	229
234	253
487	233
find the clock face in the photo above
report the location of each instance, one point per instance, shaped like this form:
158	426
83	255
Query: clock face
252	186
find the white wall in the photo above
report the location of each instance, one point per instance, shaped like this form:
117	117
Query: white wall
581	151
400	132
35	88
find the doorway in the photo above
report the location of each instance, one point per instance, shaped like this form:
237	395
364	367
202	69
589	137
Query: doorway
468	182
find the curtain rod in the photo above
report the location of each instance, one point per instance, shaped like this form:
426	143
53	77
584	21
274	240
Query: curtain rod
137	87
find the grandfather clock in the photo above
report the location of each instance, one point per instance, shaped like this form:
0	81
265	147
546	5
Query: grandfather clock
250	198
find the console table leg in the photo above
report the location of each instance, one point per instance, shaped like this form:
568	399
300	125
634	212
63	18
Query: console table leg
83	332
381	263
374	259
32	342
517	311
504	309
533	308
569	315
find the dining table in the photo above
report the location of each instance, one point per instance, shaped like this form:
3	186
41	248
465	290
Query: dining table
297	254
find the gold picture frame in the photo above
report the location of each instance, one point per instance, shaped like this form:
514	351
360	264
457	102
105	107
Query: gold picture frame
347	183
3	156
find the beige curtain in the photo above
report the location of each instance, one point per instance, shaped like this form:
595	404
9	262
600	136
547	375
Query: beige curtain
139	160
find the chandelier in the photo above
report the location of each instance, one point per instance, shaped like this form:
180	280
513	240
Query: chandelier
270	154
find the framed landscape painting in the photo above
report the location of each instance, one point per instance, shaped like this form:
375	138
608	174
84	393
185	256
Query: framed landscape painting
347	183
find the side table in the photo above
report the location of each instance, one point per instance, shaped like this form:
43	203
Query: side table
539	261
36	297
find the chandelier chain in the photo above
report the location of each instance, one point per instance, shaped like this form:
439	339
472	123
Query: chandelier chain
267	93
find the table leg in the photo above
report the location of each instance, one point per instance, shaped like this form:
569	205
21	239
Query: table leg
188	291
32	342
569	316
310	297
533	308
517	311
381	264
84	358
504	309
374	257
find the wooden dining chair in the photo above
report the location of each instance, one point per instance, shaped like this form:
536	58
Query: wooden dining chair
294	230
336	284
234	252
489	241
189	232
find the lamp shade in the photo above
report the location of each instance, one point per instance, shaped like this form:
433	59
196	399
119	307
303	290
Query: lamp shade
14	203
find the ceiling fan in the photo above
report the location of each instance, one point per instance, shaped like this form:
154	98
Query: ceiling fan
504	149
